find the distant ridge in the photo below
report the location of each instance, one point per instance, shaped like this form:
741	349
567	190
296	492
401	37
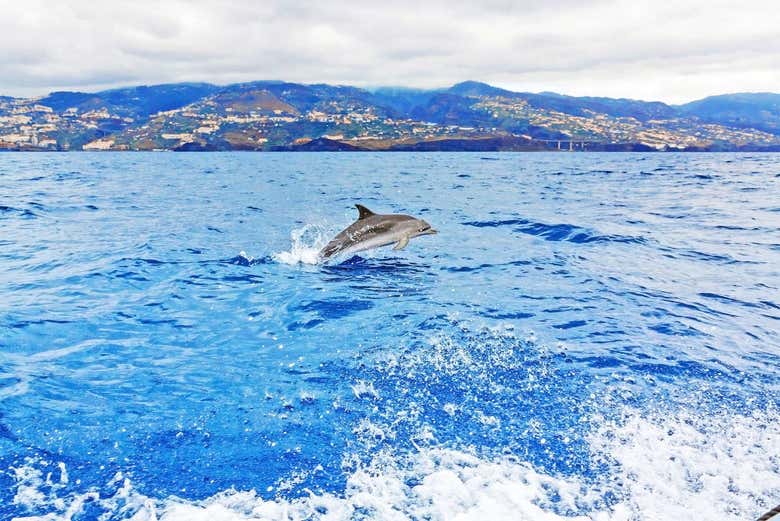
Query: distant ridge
471	115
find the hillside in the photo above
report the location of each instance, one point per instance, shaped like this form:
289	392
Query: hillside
277	115
749	110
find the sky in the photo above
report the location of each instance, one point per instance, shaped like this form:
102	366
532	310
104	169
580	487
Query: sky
671	51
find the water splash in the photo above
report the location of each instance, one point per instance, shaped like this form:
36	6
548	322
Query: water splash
306	245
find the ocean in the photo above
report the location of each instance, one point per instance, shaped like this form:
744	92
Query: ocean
589	336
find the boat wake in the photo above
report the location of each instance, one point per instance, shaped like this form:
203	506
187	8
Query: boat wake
656	467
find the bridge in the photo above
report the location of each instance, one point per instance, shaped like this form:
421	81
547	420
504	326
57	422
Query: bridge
570	144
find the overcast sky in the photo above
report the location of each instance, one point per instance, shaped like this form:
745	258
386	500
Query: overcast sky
673	51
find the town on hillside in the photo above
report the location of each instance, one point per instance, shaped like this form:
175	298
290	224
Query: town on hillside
286	116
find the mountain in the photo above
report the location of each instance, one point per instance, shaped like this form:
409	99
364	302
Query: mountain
619	108
279	115
748	110
401	100
132	102
580	106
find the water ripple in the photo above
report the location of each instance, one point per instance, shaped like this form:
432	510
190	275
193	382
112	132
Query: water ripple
557	232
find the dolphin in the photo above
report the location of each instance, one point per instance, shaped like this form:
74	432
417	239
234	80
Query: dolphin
372	230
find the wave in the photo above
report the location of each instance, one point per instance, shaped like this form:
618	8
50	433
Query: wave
22	212
557	232
242	259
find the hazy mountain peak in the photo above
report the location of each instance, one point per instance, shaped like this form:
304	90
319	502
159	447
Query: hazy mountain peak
477	88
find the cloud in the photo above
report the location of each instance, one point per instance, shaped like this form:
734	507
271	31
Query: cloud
672	51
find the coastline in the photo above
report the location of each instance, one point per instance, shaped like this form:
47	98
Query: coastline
483	144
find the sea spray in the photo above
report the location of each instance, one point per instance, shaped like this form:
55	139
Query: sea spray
306	243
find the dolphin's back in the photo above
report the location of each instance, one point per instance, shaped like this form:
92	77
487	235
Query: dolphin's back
365	233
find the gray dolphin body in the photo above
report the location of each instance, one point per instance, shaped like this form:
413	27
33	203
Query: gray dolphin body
373	230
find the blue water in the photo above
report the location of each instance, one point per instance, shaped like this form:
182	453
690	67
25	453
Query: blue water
601	329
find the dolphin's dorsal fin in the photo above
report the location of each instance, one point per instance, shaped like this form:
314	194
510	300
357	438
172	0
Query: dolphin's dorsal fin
364	212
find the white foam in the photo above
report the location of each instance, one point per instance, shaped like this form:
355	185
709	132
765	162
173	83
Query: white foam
658	467
363	389
28	486
306	243
247	258
454	486
722	467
